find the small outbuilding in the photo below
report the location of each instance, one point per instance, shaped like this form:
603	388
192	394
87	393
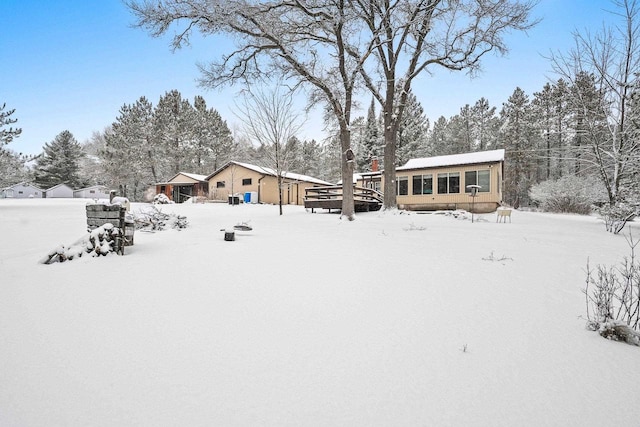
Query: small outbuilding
93	192
183	186
22	190
58	192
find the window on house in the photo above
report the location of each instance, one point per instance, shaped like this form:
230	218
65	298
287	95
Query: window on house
481	178
92	191
220	184
246	181
402	185
422	184
20	192
449	183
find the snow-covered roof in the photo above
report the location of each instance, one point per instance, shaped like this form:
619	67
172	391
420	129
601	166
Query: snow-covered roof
269	171
193	176
59	185
24	184
454	160
93	187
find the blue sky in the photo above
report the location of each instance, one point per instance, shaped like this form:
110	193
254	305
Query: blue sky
71	65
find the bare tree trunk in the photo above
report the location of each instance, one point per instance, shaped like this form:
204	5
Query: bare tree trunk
348	209
280	191
391	122
390	134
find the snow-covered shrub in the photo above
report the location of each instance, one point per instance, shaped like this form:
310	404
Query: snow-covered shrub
153	219
616	331
613	298
570	194
413	227
617	215
161	199
457	214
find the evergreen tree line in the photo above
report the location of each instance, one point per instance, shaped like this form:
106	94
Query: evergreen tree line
546	137
562	130
12	168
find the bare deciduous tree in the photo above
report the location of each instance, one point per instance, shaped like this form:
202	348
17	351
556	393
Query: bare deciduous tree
610	61
270	119
305	42
332	46
411	37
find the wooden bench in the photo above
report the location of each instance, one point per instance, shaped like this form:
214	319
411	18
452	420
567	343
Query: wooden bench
503	214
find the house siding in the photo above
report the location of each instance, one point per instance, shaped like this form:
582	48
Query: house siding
264	184
96	192
484	202
23	191
59	191
232	177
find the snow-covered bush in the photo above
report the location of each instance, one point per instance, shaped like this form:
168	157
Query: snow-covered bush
161	199
617	215
570	194
613	298
153	219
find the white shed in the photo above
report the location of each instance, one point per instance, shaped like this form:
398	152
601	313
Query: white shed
59	191
22	190
93	192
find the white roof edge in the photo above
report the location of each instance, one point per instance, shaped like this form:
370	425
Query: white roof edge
92	186
272	172
455	159
58	185
195	176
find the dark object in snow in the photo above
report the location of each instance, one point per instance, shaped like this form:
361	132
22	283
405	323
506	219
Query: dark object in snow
243	227
229	236
349	155
616	331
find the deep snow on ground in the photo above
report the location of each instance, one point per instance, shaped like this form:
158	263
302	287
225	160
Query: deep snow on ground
394	319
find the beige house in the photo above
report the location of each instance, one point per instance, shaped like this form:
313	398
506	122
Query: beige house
442	182
257	184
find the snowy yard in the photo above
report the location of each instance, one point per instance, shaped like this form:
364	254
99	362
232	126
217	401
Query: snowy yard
394	319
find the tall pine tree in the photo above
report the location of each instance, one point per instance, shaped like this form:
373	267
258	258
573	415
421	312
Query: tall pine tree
60	162
7	135
517	135
412	132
